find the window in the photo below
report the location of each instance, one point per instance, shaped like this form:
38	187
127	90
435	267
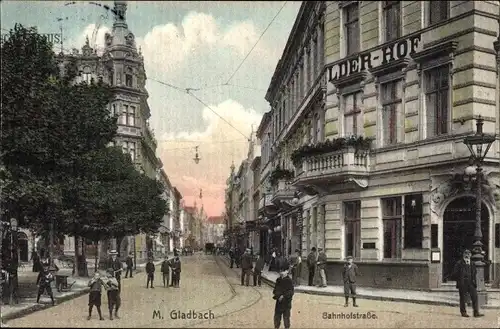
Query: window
131	116
87	75
128	77
392	19
351	28
413	221
392	216
110	78
437	90
123	117
438	11
391	100
352	222
352	114
284	107
315	58
114	112
129	147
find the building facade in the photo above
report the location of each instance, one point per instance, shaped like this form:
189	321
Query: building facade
371	122
215	230
121	65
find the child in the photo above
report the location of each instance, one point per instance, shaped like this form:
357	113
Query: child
165	270
349	277
283	294
43	282
114	301
150	270
95	295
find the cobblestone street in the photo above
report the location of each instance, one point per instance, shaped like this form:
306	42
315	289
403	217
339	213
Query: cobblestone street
209	285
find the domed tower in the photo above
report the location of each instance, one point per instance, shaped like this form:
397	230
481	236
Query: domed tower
124	65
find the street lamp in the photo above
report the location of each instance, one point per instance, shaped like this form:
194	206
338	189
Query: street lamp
14	260
478	145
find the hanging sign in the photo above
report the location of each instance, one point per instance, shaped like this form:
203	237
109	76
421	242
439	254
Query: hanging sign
384	55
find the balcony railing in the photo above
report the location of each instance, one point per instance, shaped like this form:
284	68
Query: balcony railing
129	131
335	162
265	201
320	171
283	190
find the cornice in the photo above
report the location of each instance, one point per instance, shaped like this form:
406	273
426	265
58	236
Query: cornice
441	49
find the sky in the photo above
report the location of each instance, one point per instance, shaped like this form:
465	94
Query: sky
186	44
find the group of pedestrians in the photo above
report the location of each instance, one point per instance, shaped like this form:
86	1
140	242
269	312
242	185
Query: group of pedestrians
168	265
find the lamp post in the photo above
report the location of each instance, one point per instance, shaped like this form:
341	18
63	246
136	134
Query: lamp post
479	145
14	260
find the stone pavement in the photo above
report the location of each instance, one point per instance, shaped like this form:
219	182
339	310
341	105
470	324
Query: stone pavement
207	285
447	298
28	291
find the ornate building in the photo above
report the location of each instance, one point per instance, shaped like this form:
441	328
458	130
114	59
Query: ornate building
122	66
371	101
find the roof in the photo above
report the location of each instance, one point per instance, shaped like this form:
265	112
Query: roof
216	220
177	194
266	118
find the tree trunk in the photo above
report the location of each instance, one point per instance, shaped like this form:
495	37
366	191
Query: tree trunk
75	265
97	254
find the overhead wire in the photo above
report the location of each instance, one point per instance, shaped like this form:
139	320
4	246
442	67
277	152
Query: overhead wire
260	37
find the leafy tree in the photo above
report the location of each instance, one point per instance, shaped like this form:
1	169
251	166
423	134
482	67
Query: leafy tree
49	126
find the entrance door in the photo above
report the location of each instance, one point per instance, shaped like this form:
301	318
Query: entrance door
458	233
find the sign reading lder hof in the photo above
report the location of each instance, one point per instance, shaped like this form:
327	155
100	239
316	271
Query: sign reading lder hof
381	56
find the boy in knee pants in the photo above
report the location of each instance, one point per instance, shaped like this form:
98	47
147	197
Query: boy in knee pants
349	274
283	294
95	295
114	301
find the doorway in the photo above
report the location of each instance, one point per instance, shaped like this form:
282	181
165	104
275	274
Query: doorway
458	233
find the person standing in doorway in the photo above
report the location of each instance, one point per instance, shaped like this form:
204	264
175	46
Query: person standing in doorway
349	274
322	267
130	266
257	271
465	273
150	271
311	265
283	294
246	267
296	262
165	270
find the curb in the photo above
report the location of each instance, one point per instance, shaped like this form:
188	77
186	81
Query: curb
378	298
37	307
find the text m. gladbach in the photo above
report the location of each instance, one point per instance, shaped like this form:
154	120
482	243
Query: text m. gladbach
191	315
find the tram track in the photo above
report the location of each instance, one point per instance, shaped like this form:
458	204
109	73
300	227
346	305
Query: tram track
227	273
224	268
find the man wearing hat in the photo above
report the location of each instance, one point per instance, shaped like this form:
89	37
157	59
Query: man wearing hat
322	266
246	267
283	293
349	274
464	273
116	265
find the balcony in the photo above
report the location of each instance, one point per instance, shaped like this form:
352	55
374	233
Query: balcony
266	206
283	193
333	172
129	131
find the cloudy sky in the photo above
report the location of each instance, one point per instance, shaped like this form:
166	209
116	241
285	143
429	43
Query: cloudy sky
197	45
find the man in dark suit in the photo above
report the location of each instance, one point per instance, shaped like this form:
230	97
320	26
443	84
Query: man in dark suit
465	275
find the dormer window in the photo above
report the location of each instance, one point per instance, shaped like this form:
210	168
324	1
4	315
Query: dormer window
87	75
128	77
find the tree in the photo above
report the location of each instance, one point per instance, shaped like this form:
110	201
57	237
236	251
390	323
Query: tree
50	126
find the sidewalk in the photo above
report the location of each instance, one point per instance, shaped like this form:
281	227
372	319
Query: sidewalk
446	298
28	291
